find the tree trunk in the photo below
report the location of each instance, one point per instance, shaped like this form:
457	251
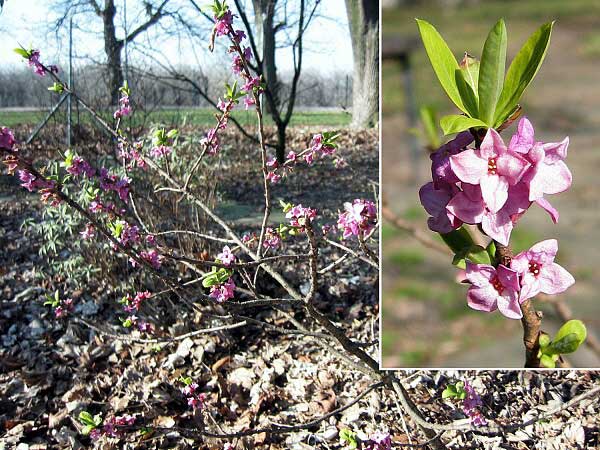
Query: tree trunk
112	48
264	11
363	20
280	146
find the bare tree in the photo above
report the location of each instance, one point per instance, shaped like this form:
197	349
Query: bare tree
363	20
277	24
155	11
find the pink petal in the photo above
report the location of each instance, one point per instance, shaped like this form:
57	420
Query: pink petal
492	145
556	151
508	277
512	166
482	298
523	139
494	190
433	200
558	176
468	166
497	226
545	204
544	252
520	263
465	209
530	286
554	279
508	304
479	274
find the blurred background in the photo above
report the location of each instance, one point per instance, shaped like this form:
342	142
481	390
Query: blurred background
426	321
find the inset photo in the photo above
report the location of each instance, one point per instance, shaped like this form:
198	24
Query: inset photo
490	218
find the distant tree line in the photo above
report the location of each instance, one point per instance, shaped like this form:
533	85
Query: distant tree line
19	87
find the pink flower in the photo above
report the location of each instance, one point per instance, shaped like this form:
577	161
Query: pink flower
80	166
226	256
95	206
160	151
153	258
272	238
471	405
309	158
150	239
291	156
89	232
493	289
34	60
358	218
28	180
124	107
299	215
539	272
493	167
223	24
238	36
251	84
379	441
440	159
273	177
249	102
223	291
434	201
7	139
469	207
339	162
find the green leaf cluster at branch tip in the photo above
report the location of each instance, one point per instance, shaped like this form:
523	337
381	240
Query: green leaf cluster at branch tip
481	89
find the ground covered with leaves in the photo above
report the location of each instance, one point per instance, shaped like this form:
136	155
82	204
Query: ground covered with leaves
256	380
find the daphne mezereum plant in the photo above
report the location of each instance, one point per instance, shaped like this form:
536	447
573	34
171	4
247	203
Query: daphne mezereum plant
225	289
478	179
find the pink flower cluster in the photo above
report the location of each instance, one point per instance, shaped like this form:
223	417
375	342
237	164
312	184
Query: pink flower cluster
299	216
124	107
378	441
223	292
358	219
47	188
495	184
132	154
38	67
471	405
505	288
80	167
110	427
133	303
226	256
194	398
316	150
63	309
110	182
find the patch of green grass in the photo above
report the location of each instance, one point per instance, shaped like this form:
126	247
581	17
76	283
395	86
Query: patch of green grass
591	44
193	116
413	358
389	231
407	257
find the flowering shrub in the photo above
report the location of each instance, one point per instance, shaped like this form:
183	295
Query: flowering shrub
105	198
478	179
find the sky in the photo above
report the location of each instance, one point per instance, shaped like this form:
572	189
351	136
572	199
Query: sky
24	22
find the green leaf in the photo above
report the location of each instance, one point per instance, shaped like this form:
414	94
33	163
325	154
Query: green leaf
457	239
466	94
349	436
491	72
21	51
544	341
491	249
474	253
429	121
568	338
449	392
442	60
548	361
522	70
455	123
470	68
